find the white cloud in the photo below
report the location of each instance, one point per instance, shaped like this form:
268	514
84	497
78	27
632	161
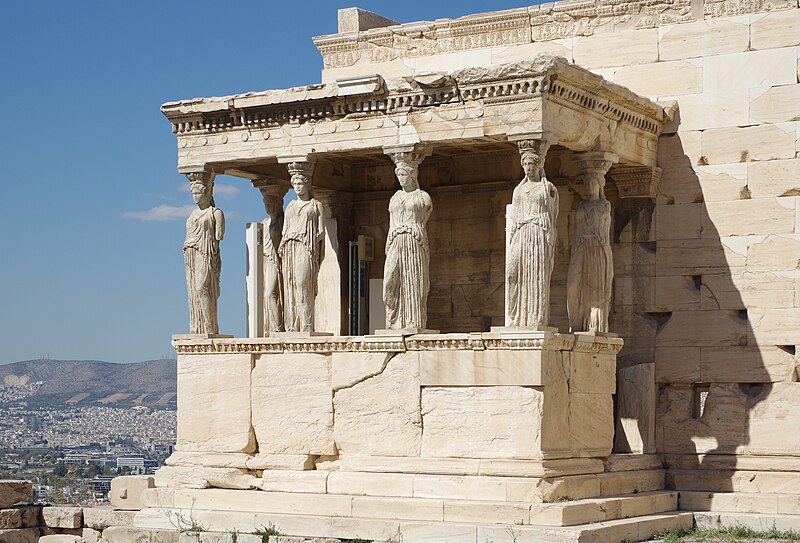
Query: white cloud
160	213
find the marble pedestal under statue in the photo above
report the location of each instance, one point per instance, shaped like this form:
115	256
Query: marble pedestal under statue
429	435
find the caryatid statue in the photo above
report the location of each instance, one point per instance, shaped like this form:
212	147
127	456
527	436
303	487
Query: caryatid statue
591	265
272	195
205	228
534	208
406	275
301	251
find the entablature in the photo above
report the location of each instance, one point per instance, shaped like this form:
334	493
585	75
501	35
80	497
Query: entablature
580	109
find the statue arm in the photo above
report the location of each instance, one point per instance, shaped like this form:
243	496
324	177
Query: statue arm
219	221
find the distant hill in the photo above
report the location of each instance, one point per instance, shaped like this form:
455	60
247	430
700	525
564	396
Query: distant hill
88	382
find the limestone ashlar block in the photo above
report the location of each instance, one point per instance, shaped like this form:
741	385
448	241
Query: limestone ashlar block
483	368
20	517
680	221
679	150
755	289
398	508
721	427
774	326
616	49
100	518
214	403
703	39
208	460
555	438
592	373
485	422
775	104
61	538
15	493
349	368
291	404
308	482
698	256
281	461
371	484
703	329
676	292
619	483
130	534
774	411
711	109
126	491
777	29
729	502
750	217
591	424
774	177
205	478
385	405
636	406
738	72
749	143
752	482
62	517
662	78
767	364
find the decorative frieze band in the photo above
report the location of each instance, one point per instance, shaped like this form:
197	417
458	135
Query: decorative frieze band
423	342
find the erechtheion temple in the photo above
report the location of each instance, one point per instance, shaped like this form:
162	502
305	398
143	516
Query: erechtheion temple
539	282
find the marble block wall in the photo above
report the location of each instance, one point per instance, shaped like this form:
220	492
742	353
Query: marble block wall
469	396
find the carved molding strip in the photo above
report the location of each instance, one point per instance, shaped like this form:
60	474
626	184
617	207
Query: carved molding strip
423	342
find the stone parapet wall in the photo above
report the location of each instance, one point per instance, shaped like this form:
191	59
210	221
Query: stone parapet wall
419	403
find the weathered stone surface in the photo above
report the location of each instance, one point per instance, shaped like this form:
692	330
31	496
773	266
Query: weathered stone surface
488	422
677	364
720	328
24	535
721	427
281	461
208	460
126	491
311	482
90	535
386	405
703	38
371	484
15	492
129	534
214	403
767	364
773	30
773	326
591	424
347	369
62	517
636	406
773	411
292	409
482	368
749	217
100	518
616	49
205	478
592	373
774	177
760	142
60	538
774	105
662	78
10	518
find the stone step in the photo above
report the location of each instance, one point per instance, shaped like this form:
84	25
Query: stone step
740	502
567	513
758	522
758	482
382	530
487	488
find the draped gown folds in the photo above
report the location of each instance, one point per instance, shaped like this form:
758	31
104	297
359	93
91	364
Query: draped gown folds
591	268
406	279
531	252
273	310
301	253
203	265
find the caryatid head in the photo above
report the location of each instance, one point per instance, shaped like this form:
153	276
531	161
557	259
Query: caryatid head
301	173
202	188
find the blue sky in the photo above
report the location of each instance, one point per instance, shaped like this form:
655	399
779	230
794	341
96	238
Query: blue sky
87	157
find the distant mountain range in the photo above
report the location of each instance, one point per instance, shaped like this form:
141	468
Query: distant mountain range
89	382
